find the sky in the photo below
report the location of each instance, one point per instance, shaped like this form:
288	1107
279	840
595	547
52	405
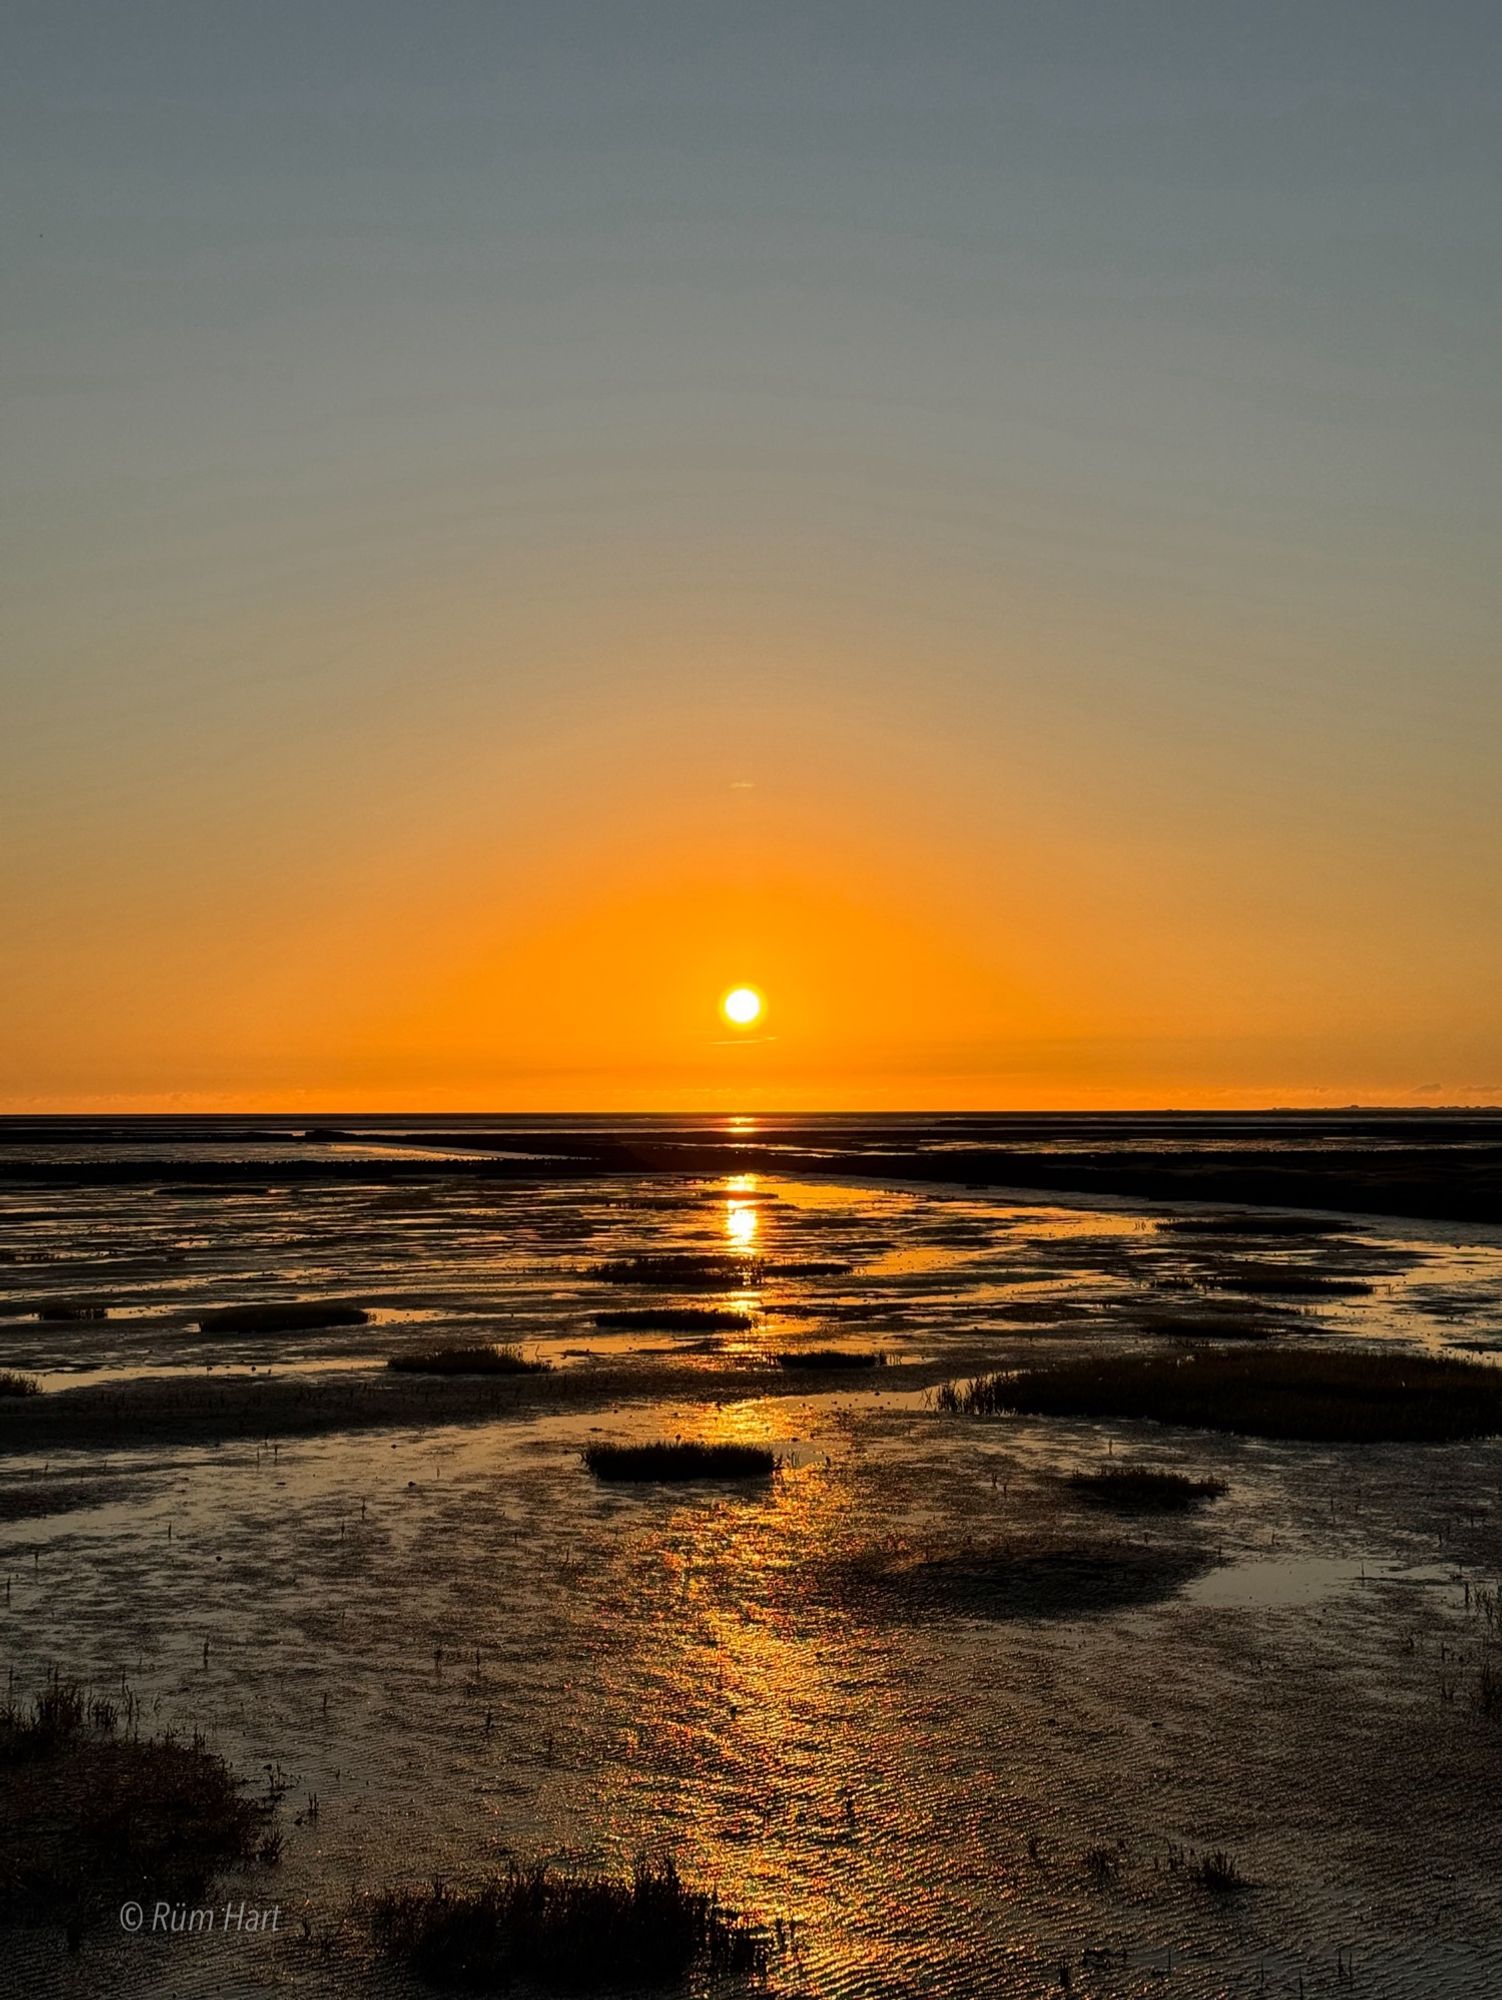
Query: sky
978	520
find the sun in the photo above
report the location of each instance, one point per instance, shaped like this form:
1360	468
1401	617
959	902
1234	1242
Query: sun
742	1006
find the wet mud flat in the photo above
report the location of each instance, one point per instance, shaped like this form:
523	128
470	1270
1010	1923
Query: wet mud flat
918	1705
1442	1165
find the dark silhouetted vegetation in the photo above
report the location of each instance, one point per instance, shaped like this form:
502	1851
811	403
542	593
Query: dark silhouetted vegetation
1219	1872
1103	1865
677	1319
1287	1281
568	1932
477	1358
830	1358
299	1316
12	1384
1249	1223
1138	1489
679	1461
1214	1323
71	1311
685	1268
693	1269
1335	1395
90	1815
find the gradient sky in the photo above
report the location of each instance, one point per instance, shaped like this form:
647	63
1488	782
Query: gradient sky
980	519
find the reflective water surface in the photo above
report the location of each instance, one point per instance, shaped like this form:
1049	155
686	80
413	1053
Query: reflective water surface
461	1646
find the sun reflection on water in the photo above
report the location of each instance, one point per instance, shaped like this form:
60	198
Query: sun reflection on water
740	1223
741	1214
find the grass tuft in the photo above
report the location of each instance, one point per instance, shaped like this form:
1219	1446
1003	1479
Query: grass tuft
1219	1872
568	1932
679	1461
484	1358
13	1384
1331	1395
1103	1865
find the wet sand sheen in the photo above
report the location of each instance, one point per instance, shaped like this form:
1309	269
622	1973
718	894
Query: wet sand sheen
907	1694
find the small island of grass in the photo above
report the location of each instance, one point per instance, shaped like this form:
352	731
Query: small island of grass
676	1319
1330	1394
90	1815
1140	1489
476	1358
567	1932
679	1461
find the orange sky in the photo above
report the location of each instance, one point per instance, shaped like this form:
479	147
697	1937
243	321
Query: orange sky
987	538
436	909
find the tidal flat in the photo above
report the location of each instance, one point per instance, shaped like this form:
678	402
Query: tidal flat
917	1708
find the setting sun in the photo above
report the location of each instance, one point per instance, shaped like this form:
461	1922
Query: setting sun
742	1006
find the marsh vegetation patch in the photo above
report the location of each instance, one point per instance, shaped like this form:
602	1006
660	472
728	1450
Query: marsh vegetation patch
675	1319
695	1269
468	1358
1288	1281
1331	1395
1141	1489
90	1814
567	1932
678	1461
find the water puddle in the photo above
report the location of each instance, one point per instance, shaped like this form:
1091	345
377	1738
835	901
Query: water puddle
1270	1582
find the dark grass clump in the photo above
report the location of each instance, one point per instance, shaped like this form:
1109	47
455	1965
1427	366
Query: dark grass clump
478	1359
1287	1281
694	1269
831	1358
679	1461
677	1319
298	1316
1329	1395
1138	1489
685	1268
90	1817
13	1384
1103	1865
1215	1323
1244	1223
1219	1872
71	1312
567	1932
